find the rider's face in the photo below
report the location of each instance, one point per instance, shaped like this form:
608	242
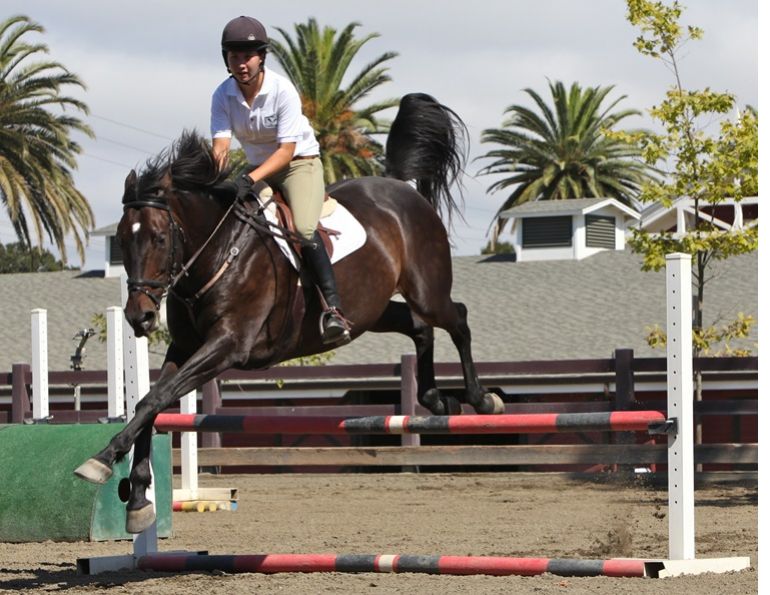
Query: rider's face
244	64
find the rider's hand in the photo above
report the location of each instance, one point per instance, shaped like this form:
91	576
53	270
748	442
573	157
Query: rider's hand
244	186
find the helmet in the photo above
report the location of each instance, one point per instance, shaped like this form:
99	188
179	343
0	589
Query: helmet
244	33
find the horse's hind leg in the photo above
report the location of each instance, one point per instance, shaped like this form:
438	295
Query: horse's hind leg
475	394
398	318
453	318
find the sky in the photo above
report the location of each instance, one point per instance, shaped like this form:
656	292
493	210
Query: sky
150	70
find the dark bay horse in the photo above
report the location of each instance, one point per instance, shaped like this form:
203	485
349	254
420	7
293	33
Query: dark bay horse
234	300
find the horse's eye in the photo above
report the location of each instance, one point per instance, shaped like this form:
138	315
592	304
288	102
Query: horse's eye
159	239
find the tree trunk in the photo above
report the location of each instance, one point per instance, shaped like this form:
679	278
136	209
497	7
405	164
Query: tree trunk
700	279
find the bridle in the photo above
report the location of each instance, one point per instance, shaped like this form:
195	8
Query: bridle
145	286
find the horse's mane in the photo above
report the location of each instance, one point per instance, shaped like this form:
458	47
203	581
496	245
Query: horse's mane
189	162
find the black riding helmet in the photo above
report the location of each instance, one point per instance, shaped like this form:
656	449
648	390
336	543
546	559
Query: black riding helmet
244	33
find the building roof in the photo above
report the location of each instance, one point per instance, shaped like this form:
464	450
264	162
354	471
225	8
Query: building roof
566	207
107	230
518	310
566	309
657	215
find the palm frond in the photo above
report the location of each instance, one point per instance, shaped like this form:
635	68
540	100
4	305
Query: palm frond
559	150
317	60
37	153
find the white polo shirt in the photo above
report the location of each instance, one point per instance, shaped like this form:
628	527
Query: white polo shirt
274	117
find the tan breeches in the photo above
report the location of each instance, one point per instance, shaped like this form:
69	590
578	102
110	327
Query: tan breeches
302	185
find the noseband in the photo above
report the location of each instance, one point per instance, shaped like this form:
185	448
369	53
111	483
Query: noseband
146	285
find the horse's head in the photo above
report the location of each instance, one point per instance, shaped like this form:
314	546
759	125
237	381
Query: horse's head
150	231
150	239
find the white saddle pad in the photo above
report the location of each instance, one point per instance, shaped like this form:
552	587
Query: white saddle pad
352	234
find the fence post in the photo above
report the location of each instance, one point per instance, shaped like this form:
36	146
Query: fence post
624	379
212	400
20	373
624	397
681	460
409	395
409	401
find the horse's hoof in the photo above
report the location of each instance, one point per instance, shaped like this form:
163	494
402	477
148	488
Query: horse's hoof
94	471
139	520
452	406
491	404
440	404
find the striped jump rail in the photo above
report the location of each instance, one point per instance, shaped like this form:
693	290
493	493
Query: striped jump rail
530	423
353	563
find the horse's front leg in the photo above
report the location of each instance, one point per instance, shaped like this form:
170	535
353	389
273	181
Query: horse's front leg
214	357
98	469
140	512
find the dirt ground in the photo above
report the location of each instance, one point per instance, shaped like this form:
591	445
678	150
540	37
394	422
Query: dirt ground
496	514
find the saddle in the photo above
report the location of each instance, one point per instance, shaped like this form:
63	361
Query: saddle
270	196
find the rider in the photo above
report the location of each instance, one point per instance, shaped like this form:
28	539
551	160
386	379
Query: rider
262	109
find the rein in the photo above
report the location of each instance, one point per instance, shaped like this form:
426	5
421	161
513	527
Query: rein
186	266
253	219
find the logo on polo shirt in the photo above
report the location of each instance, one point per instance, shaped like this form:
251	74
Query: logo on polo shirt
271	121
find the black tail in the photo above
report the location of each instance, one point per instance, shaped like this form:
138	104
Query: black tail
427	143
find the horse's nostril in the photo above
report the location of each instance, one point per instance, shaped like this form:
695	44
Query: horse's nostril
143	322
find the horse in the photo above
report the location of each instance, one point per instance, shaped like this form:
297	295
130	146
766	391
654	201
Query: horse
233	300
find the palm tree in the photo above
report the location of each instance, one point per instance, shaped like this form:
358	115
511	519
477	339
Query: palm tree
563	152
317	62
37	155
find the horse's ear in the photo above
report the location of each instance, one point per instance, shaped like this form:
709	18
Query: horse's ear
130	180
166	180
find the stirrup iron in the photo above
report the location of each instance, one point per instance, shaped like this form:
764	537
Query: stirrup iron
334	327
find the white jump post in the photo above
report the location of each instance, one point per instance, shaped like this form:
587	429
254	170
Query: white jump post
137	382
681	459
189	446
681	450
40	411
115	396
190	490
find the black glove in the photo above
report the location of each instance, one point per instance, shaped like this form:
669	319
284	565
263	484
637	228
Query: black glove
244	186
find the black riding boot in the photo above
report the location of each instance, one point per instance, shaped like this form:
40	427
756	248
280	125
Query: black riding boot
334	327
